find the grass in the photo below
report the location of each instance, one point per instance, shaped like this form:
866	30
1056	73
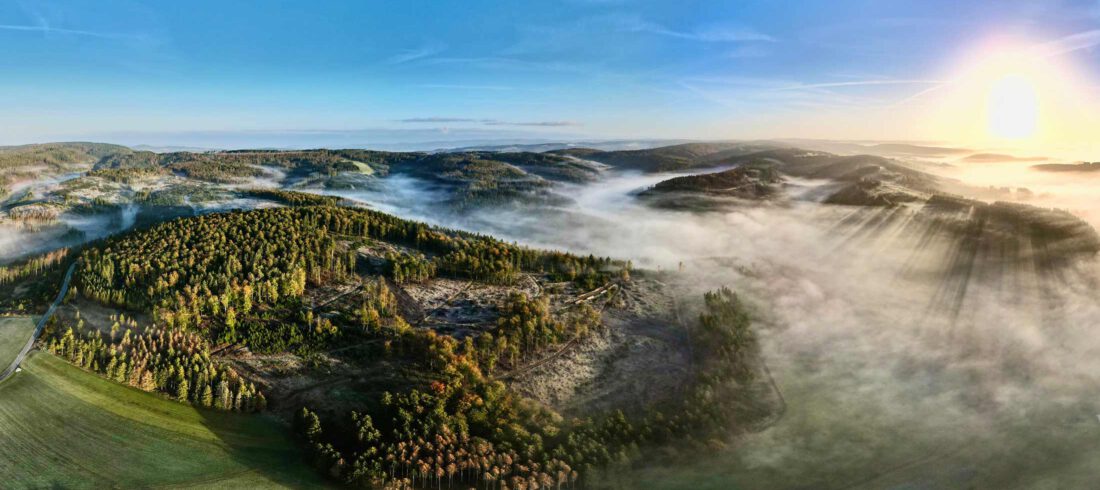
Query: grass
363	168
64	427
15	331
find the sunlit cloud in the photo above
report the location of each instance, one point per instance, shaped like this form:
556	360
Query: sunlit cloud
861	83
1068	44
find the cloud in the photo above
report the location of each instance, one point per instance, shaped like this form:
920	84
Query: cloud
416	120
862	83
545	124
1057	47
713	33
488	122
450	86
46	29
408	55
1068	44
507	63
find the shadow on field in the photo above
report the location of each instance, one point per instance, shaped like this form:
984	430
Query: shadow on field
264	446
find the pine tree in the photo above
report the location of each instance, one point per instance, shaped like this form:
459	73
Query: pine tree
207	396
223	400
182	390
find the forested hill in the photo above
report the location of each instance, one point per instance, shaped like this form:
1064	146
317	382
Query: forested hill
571	165
445	418
669	158
55	156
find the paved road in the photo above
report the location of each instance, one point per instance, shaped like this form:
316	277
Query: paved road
41	324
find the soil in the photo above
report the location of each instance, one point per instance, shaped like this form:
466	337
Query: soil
640	356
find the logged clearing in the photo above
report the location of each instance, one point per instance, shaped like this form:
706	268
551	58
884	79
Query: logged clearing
62	427
15	331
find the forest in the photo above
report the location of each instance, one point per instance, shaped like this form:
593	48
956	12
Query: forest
466	428
244	278
234	276
172	362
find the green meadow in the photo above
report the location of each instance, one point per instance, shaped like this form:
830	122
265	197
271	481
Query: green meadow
62	427
14	333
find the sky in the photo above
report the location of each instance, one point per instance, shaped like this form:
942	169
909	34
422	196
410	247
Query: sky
361	73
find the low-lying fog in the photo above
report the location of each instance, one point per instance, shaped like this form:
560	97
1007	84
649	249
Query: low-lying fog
907	358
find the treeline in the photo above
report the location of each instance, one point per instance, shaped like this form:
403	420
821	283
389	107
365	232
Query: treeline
202	167
232	166
171	362
31	284
34	266
34	212
125	174
291	198
464	429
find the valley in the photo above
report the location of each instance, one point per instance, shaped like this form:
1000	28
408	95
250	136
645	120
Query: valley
325	293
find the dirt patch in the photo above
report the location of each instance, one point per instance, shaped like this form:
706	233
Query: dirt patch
640	356
461	308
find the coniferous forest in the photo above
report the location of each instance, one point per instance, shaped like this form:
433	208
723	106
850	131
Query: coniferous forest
248	279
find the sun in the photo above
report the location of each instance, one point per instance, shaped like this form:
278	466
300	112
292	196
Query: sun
1012	108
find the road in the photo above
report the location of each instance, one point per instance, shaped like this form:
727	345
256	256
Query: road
41	324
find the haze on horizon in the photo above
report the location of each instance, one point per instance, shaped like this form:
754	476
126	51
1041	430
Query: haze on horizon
1020	74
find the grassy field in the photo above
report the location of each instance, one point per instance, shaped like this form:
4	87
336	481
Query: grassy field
363	168
61	427
14	333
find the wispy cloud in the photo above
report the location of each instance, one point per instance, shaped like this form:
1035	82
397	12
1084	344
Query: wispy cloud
544	124
452	86
1068	44
1057	47
506	63
860	83
417	120
712	33
47	30
488	122
749	94
408	55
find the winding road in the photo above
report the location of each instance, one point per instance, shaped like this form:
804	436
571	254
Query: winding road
41	324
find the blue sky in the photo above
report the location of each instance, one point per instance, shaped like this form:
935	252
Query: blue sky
362	72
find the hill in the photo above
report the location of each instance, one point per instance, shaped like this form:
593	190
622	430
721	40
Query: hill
744	182
667	158
860	179
999	157
66	428
1084	167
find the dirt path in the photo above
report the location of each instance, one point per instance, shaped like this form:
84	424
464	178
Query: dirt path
41	324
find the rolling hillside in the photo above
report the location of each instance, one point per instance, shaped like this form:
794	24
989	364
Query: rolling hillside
66	428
